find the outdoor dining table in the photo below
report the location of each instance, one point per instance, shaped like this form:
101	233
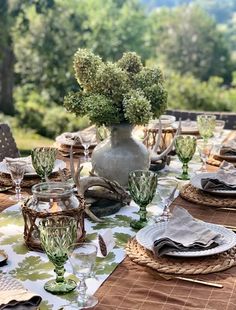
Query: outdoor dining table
121	283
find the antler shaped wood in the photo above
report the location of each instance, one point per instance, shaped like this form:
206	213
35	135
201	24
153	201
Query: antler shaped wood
110	189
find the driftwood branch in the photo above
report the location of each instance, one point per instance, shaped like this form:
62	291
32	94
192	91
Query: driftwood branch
96	185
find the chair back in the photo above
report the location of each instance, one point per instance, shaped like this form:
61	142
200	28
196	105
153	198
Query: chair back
8	146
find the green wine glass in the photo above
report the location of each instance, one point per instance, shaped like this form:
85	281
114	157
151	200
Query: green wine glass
142	187
43	160
206	125
185	147
57	234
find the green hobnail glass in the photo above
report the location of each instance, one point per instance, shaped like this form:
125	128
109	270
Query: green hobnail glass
57	234
142	187
206	125
43	160
185	147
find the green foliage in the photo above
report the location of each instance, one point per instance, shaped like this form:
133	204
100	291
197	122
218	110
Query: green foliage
188	93
188	41
130	62
137	108
36	112
116	92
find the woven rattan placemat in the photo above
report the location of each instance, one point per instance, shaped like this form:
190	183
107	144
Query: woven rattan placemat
195	195
29	181
177	265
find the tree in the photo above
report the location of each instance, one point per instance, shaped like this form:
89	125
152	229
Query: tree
45	53
10	11
188	41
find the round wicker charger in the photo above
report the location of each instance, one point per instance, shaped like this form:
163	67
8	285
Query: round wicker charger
195	195
29	181
177	265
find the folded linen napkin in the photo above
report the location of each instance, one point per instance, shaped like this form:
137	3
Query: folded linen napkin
224	179
184	233
229	148
28	169
14	296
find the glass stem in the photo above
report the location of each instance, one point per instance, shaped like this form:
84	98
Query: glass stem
82	288
59	270
143	213
185	169
17	190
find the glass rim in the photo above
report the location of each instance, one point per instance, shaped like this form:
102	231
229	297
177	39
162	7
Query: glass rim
141	171
66	187
76	245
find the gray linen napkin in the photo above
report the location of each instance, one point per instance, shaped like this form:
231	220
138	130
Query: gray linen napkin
229	148
224	179
14	296
184	233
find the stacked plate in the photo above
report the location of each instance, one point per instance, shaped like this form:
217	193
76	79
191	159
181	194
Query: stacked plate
196	181
147	235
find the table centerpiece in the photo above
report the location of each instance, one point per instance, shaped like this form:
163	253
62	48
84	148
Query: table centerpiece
117	95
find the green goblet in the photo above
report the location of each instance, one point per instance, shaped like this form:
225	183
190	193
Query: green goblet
206	125
142	187
185	147
43	160
57	233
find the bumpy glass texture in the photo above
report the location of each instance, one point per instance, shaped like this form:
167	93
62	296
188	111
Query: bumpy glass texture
185	147
206	125
142	187
57	234
43	159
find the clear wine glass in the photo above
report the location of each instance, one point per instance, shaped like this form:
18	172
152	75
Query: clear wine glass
166	189
82	257
57	233
17	171
43	160
206	125
142	186
185	147
86	140
205	149
220	124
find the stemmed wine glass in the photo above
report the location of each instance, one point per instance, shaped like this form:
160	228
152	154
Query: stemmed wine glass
204	149
142	187
185	147
166	189
17	171
82	257
57	233
86	140
43	160
206	124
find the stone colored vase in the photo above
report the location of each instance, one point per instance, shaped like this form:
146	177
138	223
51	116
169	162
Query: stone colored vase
119	154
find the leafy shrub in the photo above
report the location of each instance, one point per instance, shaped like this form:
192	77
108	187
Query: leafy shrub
188	93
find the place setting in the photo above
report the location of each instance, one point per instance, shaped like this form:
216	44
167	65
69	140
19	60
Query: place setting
184	245
27	171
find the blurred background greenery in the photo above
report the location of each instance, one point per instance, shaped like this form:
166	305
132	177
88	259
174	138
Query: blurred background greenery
193	41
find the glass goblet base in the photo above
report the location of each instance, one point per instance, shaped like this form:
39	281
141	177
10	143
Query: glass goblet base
138	224
183	177
60	287
89	302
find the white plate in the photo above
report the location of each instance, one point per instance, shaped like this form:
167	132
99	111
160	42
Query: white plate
196	182
147	235
59	164
187	127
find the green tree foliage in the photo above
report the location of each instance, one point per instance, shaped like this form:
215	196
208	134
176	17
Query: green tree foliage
188	41
188	93
45	53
